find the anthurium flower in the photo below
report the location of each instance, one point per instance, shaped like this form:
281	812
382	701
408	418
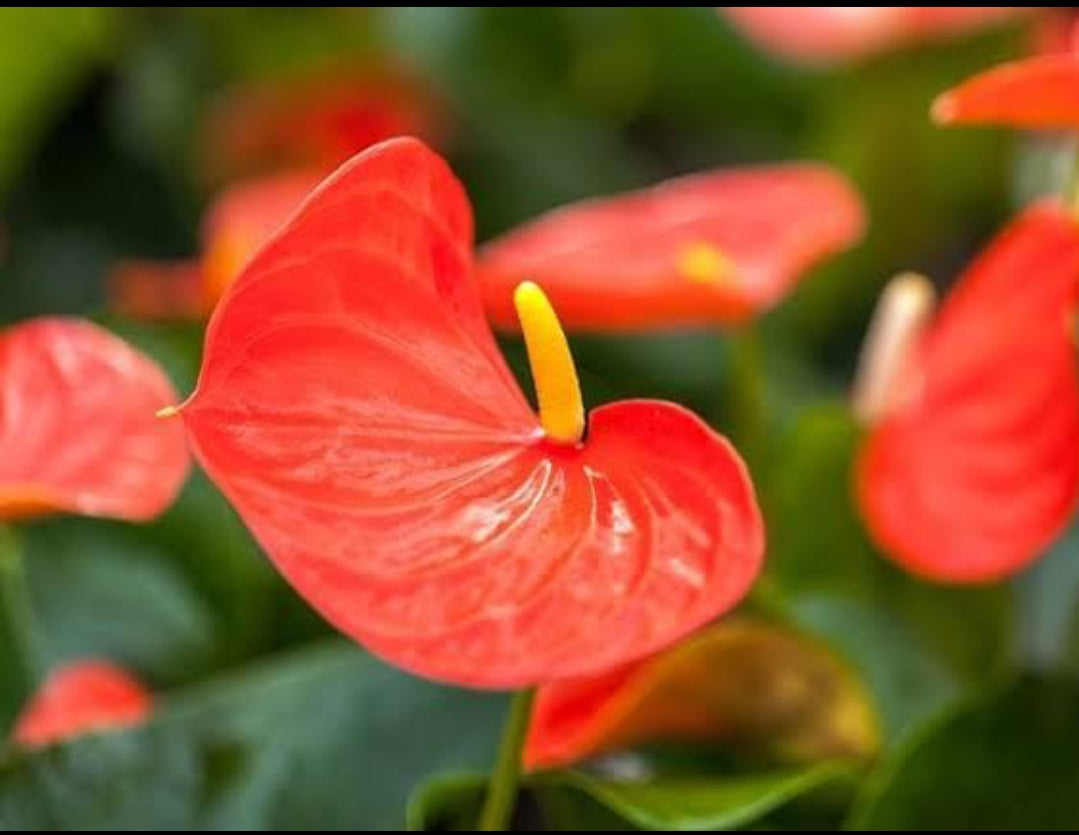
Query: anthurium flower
712	247
235	225
315	119
354	407
79	698
832	34
77	427
1041	92
970	470
741	682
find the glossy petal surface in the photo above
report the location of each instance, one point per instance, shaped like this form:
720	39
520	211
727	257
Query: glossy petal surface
77	426
975	469
713	247
1040	93
826	34
82	697
354	407
742	682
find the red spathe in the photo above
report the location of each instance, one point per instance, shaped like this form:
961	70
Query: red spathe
79	698
1036	93
975	468
77	426
354	407
617	263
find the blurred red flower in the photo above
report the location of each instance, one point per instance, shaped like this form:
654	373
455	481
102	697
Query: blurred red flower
77	426
1040	92
314	120
972	469
835	34
714	247
355	408
79	698
235	225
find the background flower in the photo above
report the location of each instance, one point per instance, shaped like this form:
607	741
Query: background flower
80	698
985	404
845	33
77	426
719	246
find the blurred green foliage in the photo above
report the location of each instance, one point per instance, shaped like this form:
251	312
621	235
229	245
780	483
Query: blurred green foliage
1006	760
322	739
266	725
45	55
917	643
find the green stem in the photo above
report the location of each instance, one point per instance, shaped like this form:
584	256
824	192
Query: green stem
1071	187
744	406
20	639
766	597
502	790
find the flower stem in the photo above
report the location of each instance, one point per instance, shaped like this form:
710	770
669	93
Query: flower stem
1071	185
502	790
20	639
744	407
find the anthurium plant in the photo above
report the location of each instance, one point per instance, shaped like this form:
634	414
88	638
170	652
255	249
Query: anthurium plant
539	419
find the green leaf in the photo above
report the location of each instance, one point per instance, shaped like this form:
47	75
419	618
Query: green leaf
20	644
43	54
700	802
328	738
172	599
1005	761
125	781
446	802
918	645
97	590
575	800
569	810
204	538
